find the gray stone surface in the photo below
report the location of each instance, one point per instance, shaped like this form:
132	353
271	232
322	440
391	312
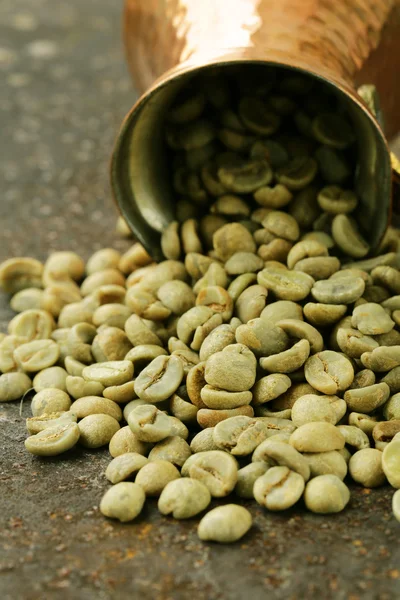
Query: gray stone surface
64	89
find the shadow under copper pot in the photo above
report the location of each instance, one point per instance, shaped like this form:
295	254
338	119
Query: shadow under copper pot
329	40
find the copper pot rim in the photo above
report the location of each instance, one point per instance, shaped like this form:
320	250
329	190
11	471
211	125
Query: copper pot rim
192	67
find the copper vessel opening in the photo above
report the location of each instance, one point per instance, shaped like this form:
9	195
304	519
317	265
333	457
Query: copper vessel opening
141	176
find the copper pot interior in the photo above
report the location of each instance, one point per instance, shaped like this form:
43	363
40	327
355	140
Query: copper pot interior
141	174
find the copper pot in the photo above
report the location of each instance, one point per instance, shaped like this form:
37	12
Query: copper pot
344	43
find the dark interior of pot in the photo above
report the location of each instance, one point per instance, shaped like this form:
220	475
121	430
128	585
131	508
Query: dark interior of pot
150	157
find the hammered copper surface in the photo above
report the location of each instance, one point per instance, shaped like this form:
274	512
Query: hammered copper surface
353	42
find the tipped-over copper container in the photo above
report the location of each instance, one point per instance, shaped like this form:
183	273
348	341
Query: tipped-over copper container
343	43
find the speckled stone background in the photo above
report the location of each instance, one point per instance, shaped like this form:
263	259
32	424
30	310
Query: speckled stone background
64	90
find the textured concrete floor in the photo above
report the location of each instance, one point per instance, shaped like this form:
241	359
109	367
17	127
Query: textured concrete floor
63	92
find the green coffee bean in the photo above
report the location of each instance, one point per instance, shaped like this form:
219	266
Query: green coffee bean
354	436
216	469
124	441
232	369
13	386
365	467
49	401
120	393
203	441
184	498
155	475
288	360
150	424
93	405
283	455
109	373
17	274
240	435
286	285
37	424
363	378
384	358
391	409
297	173
77	387
160	379
278	489
97	430
53	377
329	372
37	355
344	290
251	303
317	437
270	387
53	440
282	309
311	408
27	299
124	466
232	238
326	463
124	501
225	524
385	431
173	449
247	476
367	399
326	494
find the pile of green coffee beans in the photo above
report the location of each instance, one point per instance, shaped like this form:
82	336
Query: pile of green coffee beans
259	359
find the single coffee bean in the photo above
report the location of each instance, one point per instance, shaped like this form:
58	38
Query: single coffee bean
232	369
365	467
382	359
284	455
329	372
13	386
124	466
150	424
124	441
344	290
317	437
279	488
49	401
216	469
287	361
184	498
37	355
326	494
173	449
97	430
326	463
225	524
372	319
53	440
286	285
17	274
354	436
94	405
109	373
160	379
124	501
77	387
367	399
155	475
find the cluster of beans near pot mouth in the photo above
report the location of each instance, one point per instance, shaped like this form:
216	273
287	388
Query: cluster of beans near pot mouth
258	360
